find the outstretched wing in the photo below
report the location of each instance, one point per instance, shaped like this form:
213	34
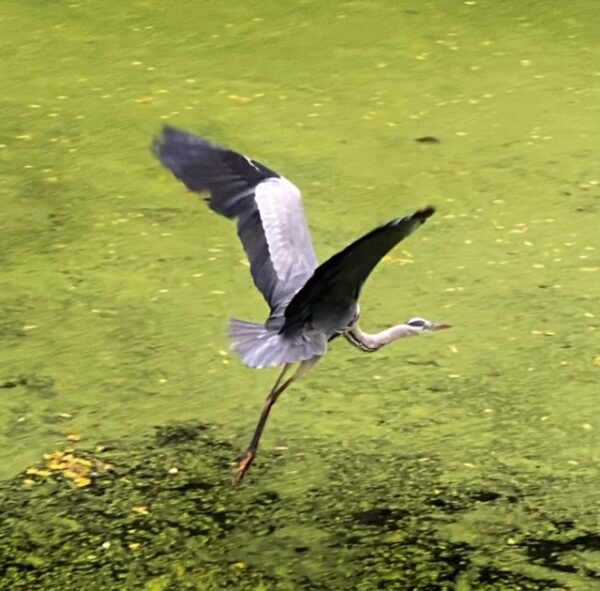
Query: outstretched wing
336	284
267	207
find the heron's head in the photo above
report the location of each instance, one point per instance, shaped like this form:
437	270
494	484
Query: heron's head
422	326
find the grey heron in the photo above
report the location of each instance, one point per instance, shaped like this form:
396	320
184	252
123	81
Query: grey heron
310	304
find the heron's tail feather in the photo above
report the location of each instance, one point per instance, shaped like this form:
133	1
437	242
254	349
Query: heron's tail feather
260	347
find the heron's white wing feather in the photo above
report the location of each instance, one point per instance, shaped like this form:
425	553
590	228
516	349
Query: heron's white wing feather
290	247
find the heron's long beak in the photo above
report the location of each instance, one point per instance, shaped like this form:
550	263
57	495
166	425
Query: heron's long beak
441	326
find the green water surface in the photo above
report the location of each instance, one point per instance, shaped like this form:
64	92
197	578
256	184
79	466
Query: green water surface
116	284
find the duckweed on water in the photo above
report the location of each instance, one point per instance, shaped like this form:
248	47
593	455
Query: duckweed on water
478	452
163	515
150	517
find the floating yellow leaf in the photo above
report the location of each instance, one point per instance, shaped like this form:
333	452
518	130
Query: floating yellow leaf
82	481
33	471
140	510
238	98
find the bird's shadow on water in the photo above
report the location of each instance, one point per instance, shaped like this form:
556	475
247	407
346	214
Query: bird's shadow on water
161	513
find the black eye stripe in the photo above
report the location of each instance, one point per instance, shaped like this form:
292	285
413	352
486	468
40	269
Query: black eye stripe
416	323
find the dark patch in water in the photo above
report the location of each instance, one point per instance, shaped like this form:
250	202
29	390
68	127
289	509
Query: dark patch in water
563	525
549	553
20	381
192	484
178	434
485	496
40	385
301	549
496	579
428	139
381	517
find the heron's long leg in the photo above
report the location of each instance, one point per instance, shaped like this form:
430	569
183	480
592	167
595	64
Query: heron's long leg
276	391
278	381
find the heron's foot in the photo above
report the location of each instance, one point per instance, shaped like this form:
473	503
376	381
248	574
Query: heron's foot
243	467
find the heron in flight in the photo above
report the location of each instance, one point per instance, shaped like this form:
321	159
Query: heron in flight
310	304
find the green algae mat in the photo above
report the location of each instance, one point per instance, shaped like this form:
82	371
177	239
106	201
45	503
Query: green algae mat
163	515
467	460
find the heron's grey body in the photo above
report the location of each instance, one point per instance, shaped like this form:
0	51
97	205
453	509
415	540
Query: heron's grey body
310	304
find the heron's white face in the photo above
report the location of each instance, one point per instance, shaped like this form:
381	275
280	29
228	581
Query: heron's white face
421	325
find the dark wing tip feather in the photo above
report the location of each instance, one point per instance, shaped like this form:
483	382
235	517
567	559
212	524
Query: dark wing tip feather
421	215
426	212
205	166
172	134
341	277
181	152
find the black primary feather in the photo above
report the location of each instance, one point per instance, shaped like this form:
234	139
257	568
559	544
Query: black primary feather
203	166
335	285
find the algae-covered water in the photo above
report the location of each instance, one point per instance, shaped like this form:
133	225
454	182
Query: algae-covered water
466	460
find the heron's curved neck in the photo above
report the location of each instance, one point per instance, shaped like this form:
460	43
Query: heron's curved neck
372	342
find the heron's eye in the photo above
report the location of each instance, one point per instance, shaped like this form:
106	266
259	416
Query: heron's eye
416	322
